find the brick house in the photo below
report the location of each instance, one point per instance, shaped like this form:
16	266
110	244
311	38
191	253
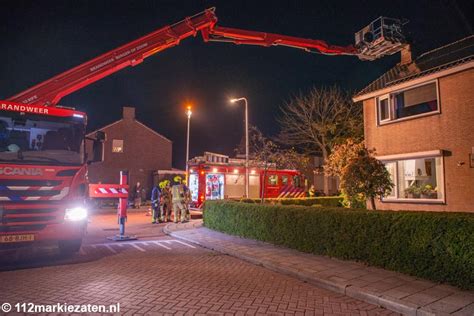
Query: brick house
132	146
419	116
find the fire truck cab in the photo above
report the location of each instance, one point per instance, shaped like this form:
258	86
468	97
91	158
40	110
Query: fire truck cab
43	176
215	177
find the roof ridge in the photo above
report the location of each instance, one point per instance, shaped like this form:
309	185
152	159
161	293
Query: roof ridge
443	55
152	130
104	127
134	120
444	46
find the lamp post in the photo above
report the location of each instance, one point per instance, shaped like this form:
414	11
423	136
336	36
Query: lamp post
188	114
246	143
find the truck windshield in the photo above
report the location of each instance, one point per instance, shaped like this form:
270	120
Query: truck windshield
41	140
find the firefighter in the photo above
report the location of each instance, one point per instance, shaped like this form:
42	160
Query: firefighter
165	201
137	195
155	205
312	191
179	197
187	200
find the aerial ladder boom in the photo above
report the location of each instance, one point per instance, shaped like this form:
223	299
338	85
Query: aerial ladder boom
51	91
244	37
382	37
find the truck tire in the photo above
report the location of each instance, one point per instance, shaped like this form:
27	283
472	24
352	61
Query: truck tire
69	247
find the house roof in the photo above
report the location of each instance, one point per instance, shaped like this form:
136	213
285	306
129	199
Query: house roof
442	58
136	121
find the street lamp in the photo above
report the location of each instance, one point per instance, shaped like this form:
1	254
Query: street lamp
246	144
188	114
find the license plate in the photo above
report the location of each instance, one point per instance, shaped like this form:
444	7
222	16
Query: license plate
16	238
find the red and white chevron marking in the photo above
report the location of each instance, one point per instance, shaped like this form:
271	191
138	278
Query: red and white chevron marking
108	191
291	192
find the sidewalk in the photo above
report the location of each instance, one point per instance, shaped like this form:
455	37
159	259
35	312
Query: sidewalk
395	291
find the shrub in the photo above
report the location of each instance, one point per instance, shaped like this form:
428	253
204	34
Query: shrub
361	174
433	245
329	201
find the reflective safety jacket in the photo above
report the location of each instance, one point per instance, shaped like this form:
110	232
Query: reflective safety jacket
155	195
177	191
166	195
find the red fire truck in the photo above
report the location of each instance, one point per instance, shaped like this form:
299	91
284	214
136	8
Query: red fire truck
43	164
215	177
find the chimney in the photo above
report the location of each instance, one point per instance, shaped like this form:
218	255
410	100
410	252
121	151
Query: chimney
128	113
406	55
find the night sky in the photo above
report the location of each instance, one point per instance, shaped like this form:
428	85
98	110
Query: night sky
40	39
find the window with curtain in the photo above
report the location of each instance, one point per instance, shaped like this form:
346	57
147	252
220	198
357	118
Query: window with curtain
417	178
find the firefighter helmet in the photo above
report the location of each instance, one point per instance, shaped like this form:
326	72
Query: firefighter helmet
163	183
177	179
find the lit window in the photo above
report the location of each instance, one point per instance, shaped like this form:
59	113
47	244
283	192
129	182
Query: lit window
419	178
273	179
392	170
412	102
117	146
297	181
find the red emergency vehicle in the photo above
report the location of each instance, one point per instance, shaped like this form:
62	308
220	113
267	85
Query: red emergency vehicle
215	176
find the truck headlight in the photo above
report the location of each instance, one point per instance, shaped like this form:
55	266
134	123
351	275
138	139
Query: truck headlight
75	214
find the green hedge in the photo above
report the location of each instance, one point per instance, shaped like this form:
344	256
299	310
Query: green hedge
432	245
329	201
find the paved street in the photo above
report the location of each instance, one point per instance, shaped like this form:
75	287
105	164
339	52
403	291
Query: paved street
102	224
395	291
162	275
151	279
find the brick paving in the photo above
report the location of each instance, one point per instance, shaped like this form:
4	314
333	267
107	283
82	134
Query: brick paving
395	291
103	223
176	281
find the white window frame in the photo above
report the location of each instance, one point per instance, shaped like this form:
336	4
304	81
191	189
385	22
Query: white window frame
379	112
391	103
401	157
395	180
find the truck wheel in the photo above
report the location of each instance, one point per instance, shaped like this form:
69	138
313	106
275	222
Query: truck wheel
68	247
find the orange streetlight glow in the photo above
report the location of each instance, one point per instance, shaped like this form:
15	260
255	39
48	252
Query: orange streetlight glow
188	111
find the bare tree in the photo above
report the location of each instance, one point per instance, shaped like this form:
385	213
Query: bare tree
265	153
263	149
318	120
